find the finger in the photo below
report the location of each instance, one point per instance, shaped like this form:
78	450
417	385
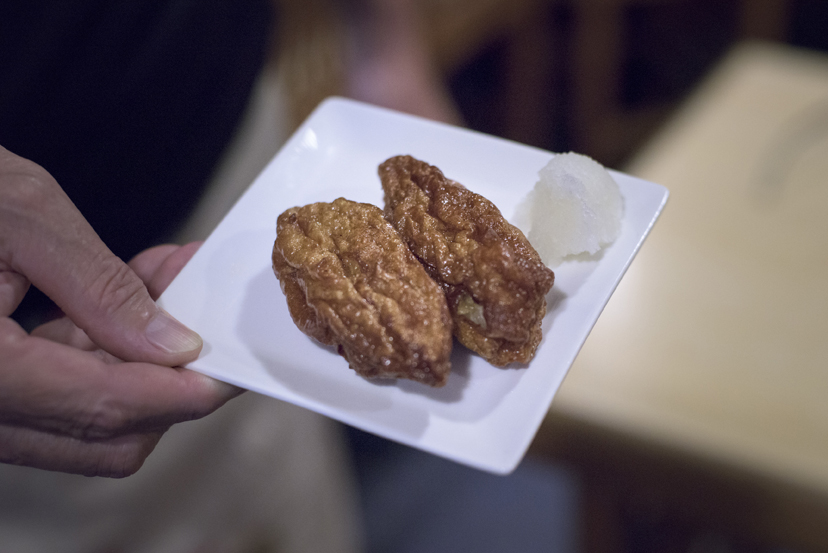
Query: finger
55	388
64	331
118	457
158	266
46	239
13	286
147	262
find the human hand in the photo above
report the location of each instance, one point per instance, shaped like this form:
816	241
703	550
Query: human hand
93	392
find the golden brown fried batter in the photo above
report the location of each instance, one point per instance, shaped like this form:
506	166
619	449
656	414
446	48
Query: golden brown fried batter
494	281
350	281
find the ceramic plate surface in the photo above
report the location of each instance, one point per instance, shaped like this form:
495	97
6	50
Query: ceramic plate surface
484	417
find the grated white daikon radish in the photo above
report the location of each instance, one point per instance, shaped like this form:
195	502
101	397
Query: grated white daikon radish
575	208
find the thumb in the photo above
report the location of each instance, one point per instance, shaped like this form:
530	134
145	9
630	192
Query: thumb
113	306
45	238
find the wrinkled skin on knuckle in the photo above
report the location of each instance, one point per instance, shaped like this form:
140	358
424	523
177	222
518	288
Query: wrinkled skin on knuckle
118	458
123	460
102	419
26	187
25	190
107	417
115	287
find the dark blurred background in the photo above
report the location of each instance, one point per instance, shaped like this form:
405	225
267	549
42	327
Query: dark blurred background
598	77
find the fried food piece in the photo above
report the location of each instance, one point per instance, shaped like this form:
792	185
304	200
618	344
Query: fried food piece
351	282
494	281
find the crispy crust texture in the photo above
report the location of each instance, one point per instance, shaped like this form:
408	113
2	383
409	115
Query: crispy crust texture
351	282
494	280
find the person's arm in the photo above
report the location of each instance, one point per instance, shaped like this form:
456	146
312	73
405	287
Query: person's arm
91	393
391	65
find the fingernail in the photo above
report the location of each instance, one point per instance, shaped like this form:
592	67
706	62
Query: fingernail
168	334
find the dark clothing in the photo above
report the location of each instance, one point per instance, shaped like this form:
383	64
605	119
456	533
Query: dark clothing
128	104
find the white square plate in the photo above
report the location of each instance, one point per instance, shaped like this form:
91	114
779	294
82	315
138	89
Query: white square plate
484	417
